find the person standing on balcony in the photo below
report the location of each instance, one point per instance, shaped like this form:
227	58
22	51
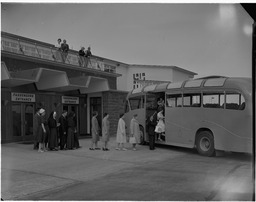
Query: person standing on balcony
88	55
58	44
64	49
81	57
57	56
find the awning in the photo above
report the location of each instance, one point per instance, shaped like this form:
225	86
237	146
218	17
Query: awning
53	80
95	84
10	79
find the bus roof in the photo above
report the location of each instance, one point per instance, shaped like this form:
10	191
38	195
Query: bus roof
211	81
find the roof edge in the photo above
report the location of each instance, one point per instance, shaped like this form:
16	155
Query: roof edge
167	66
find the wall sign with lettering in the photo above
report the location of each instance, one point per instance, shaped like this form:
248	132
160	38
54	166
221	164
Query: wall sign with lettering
70	100
23	97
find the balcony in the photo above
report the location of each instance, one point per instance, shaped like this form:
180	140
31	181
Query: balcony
48	52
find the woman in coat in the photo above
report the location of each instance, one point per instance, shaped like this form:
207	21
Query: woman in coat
71	129
95	132
105	132
121	134
134	131
53	139
41	131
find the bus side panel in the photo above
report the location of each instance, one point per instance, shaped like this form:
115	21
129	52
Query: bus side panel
178	130
231	129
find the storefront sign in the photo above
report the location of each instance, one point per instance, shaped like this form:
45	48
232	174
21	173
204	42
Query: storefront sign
23	97
70	100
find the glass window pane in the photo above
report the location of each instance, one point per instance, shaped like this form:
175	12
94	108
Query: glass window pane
192	100
235	101
135	103
151	102
174	100
16	119
29	112
213	100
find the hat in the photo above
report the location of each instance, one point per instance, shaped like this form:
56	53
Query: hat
41	111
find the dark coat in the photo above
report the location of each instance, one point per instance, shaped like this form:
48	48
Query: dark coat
63	125
151	125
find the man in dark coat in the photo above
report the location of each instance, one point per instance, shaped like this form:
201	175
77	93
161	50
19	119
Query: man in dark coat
64	49
81	57
151	124
63	129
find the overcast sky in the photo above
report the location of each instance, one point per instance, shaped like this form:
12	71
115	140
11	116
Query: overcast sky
208	39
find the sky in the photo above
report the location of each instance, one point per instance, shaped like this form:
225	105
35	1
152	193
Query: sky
205	38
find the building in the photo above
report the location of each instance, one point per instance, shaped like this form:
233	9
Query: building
34	74
136	76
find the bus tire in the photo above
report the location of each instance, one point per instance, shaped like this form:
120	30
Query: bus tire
205	143
142	141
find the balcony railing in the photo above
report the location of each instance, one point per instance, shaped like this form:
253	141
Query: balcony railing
45	52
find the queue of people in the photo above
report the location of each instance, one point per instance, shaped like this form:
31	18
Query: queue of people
52	134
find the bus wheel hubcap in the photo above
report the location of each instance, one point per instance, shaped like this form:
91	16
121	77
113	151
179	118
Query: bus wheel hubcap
205	144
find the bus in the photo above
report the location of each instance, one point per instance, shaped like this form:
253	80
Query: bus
209	114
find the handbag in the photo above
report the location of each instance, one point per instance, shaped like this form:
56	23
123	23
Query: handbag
132	140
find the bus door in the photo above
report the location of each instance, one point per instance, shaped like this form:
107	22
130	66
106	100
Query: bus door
174	120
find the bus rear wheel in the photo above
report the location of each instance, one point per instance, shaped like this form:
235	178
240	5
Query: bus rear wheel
142	141
205	143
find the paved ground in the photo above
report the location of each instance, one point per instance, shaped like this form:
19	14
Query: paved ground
167	173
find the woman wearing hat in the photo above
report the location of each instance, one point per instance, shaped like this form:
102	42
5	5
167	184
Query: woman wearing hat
41	131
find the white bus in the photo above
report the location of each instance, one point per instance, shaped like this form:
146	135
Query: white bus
211	113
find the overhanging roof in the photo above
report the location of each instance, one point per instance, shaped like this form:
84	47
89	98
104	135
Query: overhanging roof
52	80
9	79
166	66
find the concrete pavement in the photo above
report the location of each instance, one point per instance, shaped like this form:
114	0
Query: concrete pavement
25	171
162	174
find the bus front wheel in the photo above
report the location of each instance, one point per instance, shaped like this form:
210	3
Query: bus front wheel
142	141
205	143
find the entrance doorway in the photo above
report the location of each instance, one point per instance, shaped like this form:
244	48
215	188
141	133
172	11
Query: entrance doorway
22	120
73	108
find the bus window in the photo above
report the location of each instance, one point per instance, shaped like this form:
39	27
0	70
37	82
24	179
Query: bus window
136	102
126	106
151	102
142	104
174	100
213	100
191	100
235	101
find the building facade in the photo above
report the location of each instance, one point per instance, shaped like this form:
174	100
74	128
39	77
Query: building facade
136	76
35	75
